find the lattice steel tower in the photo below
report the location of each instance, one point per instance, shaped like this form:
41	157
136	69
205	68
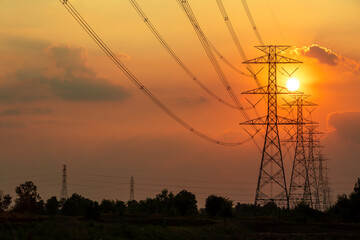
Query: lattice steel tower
323	183
132	189
314	164
64	194
271	185
303	169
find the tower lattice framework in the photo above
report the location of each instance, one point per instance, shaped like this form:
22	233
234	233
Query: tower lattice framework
315	164
271	186
303	171
64	194
132	189
323	183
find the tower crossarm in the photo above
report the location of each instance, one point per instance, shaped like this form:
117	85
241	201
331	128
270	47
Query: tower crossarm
265	90
279	59
304	140
297	103
280	121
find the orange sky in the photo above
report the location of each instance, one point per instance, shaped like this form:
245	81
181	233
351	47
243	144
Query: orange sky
63	101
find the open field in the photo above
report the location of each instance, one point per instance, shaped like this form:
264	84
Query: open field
114	227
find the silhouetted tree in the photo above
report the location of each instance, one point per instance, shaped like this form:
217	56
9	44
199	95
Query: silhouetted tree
347	209
165	203
218	206
132	207
28	199
355	201
5	201
92	210
302	212
76	205
148	206
120	207
52	206
185	203
242	210
270	209
107	206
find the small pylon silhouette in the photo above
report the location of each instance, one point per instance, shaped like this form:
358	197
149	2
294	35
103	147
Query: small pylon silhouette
64	194
132	189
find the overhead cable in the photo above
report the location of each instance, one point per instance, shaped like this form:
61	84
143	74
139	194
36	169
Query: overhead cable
75	14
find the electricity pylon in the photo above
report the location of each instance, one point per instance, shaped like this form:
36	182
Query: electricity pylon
271	186
324	188
132	189
302	174
315	167
64	194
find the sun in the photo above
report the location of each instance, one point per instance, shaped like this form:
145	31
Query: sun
292	84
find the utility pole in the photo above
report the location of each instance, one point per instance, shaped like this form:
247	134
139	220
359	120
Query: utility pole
303	171
271	185
64	194
132	189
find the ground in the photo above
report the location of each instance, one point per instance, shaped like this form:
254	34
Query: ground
114	227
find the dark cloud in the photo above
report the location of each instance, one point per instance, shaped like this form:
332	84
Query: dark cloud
76	82
322	54
22	111
12	124
72	60
23	44
347	125
191	100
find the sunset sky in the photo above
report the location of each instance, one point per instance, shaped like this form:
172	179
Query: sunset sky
62	101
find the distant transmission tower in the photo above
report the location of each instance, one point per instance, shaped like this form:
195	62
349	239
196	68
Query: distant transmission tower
326	197
64	194
301	176
132	189
315	164
271	185
324	190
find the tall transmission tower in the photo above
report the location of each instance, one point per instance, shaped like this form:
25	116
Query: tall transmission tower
64	194
271	186
132	189
325	191
300	176
323	188
315	166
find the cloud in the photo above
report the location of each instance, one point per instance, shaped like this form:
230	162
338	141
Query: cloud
123	55
22	111
21	44
65	76
12	124
322	54
191	100
346	124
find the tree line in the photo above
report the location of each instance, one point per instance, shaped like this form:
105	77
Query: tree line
183	204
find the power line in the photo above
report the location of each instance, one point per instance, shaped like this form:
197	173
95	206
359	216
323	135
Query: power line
70	8
234	36
252	22
167	47
204	42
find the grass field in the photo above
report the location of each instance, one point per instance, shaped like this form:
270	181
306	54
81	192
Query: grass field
113	227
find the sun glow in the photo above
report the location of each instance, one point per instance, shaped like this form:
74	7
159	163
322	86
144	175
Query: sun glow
292	84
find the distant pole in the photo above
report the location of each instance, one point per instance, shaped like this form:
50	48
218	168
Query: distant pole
64	194
132	189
